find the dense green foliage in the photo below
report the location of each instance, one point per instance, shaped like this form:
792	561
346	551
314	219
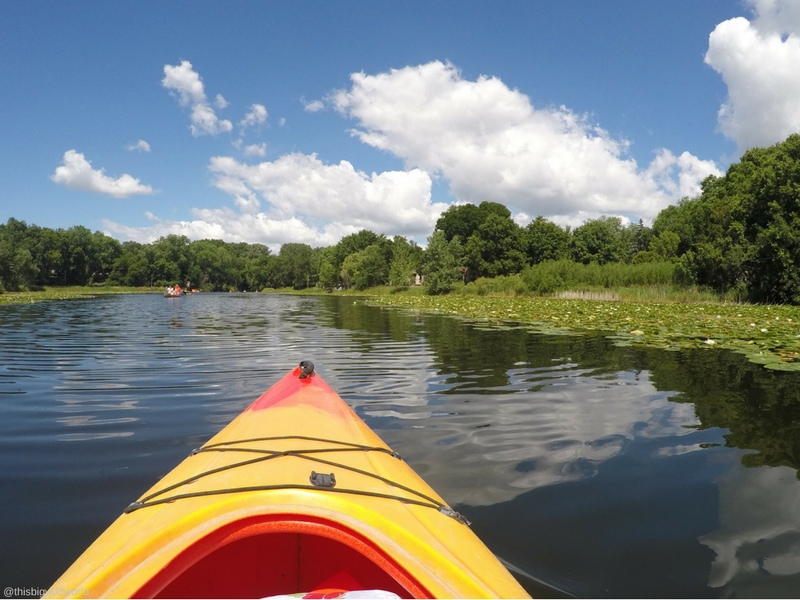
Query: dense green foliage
740	238
556	276
441	263
32	257
743	232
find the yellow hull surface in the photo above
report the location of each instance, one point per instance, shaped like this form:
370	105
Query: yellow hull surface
297	494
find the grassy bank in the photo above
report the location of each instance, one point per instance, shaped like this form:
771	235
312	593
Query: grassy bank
66	293
645	282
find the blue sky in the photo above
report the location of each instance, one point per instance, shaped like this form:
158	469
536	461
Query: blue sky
377	114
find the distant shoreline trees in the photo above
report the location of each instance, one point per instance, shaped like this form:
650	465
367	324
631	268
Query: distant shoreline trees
741	235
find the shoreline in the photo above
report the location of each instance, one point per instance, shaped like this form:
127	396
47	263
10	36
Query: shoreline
71	292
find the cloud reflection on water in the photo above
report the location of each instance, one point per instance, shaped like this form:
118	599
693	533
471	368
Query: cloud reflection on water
759	531
560	432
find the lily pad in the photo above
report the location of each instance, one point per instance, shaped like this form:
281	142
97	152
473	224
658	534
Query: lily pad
666	326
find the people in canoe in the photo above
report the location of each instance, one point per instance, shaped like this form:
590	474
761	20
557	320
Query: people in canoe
172	292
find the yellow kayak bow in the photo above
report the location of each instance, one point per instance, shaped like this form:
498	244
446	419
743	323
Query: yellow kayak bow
297	494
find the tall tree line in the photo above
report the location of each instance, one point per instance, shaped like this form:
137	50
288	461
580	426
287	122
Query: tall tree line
32	257
742	233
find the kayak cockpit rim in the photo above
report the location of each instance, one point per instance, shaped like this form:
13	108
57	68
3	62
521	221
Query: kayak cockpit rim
229	561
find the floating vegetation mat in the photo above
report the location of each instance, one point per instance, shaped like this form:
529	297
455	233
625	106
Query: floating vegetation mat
767	335
69	293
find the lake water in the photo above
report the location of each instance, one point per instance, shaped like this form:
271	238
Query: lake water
598	470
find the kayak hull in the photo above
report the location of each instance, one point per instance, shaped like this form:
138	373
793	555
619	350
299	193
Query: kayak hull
296	494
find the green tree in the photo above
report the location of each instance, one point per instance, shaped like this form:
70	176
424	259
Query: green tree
544	240
24	270
740	233
327	275
259	272
213	265
765	187
45	246
132	267
635	238
105	250
294	265
349	244
77	245
372	268
17	268
441	263
598	240
665	245
255	265
463	220
353	243
349	267
493	208
777	256
496	248
459	220
406	260
170	260
8	278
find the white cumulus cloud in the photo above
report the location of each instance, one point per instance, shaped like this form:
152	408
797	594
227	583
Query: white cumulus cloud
313	106
256	149
490	143
141	145
221	102
186	83
302	185
298	198
486	140
255	116
77	173
232	226
758	61
680	176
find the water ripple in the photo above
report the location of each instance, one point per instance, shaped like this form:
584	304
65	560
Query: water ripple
101	397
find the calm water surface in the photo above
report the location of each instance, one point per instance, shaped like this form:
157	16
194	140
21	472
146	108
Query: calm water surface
598	470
